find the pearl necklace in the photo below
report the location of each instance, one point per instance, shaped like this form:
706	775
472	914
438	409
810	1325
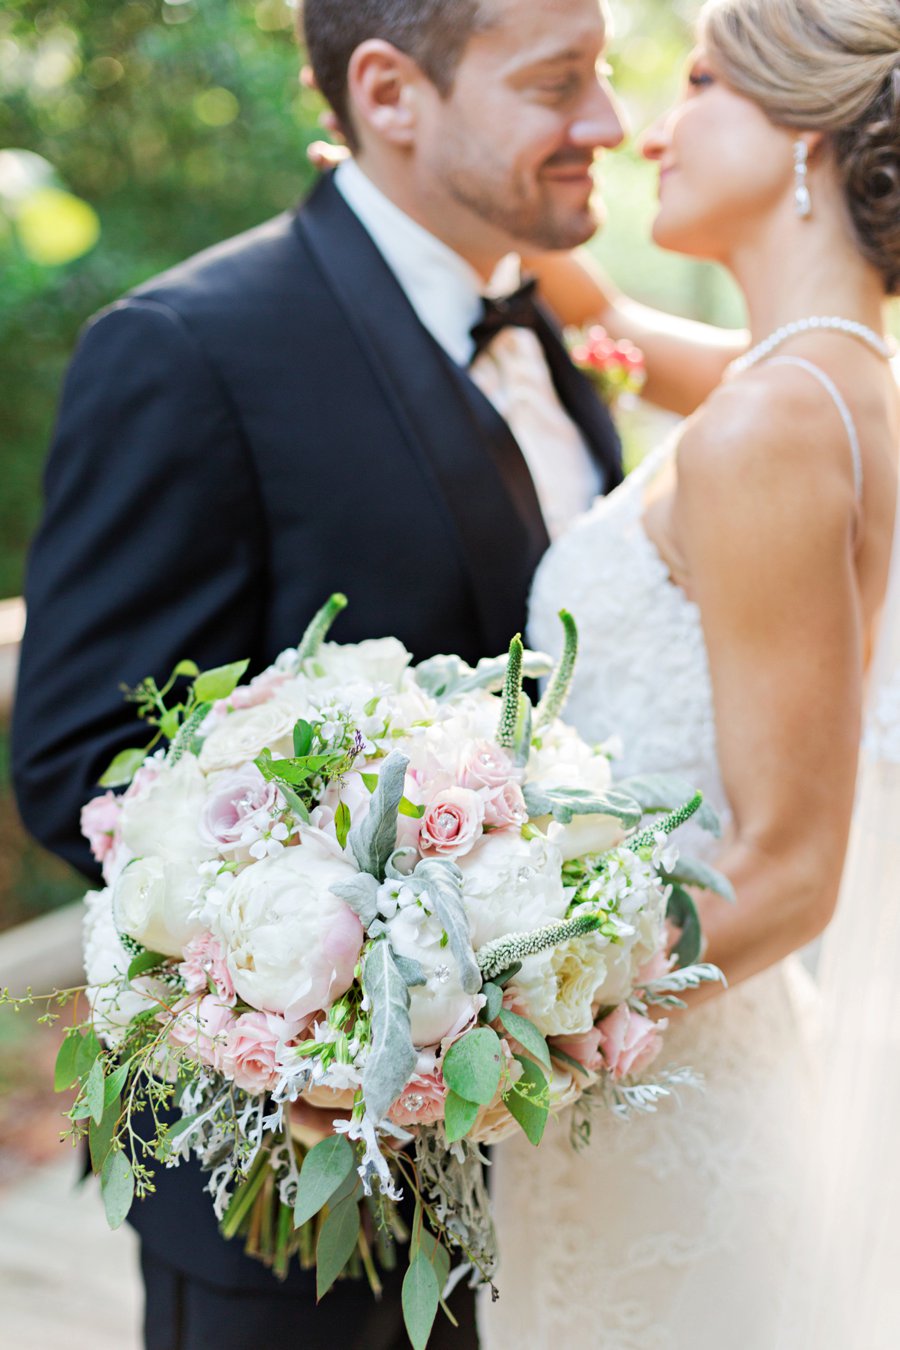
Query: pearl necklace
850	326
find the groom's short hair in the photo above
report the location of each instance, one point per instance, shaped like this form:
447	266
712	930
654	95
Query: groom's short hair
434	33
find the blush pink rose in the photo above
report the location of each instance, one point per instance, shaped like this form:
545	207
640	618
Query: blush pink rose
654	969
204	961
452	823
584	1048
422	1100
201	1029
143	780
252	1049
486	765
100	823
629	1041
260	689
504	807
240	808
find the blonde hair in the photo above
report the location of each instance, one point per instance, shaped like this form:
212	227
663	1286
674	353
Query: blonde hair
830	66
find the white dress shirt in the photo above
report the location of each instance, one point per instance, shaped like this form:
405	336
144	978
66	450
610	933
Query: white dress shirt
446	293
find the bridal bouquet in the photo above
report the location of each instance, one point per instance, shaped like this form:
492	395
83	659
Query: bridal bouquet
398	901
615	369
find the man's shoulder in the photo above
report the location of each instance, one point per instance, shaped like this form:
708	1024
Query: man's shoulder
249	267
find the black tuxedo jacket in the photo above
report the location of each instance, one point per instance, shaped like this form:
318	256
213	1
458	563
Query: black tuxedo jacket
265	424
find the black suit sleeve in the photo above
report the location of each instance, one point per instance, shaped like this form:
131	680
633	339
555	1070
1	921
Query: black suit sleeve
151	550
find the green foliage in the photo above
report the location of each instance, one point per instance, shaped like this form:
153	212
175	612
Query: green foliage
682	912
219	683
527	1034
528	1101
179	125
117	1188
420	1297
473	1064
337	1243
459	1116
325	1168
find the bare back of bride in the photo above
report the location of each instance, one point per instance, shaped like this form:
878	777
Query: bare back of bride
731	597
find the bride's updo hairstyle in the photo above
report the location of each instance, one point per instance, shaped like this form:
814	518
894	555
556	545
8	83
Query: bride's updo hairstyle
831	66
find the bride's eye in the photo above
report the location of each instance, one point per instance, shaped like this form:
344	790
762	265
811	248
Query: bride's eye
700	79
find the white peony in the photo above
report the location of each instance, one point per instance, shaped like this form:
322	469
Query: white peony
244	734
440	1007
291	945
156	902
164	819
375	661
106	964
565	760
511	885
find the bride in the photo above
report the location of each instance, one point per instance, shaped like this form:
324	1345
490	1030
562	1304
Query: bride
728	596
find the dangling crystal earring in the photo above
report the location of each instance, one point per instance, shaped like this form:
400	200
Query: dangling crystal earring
802	199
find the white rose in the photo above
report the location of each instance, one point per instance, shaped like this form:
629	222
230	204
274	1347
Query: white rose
291	945
440	1007
164	819
106	964
156	902
511	885
242	735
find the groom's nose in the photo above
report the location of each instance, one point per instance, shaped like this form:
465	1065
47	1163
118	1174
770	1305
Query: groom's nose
604	123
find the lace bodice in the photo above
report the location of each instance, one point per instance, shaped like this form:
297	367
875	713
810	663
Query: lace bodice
641	642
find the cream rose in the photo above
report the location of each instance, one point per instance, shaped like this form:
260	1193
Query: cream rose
441	1006
511	885
244	734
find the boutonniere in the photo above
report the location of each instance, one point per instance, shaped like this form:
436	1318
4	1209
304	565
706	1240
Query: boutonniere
615	369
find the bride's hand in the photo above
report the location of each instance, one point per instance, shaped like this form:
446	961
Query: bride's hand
324	155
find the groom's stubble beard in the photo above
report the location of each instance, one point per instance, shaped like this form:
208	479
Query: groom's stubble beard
522	208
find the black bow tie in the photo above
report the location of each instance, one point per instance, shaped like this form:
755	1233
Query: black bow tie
508	311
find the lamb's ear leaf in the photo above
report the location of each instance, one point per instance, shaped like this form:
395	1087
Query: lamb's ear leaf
374	839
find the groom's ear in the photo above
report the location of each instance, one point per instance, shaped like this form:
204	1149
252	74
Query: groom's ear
382	83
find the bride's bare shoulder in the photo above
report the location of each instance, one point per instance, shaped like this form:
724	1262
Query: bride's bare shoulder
772	434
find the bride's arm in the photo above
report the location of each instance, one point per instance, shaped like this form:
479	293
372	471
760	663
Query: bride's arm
685	359
765	513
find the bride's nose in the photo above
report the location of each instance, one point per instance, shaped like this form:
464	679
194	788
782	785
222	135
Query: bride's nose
655	140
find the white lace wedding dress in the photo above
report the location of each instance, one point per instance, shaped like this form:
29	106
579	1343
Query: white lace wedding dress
671	1231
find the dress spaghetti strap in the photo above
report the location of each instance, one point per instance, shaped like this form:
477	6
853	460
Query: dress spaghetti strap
840	403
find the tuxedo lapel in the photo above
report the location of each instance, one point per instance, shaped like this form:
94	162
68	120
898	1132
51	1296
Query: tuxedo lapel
476	470
581	403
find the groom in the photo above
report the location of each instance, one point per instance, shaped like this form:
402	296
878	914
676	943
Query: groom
324	403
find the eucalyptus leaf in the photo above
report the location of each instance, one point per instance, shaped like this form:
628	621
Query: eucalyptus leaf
666	792
100	1136
392	1057
325	1168
527	1034
117	1188
528	1101
337	1243
218	683
692	872
459	1116
361	894
425	1243
123	768
563	804
420	1297
441	883
114	1084
94	1095
472	1065
494	995
682	912
65	1071
374	839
